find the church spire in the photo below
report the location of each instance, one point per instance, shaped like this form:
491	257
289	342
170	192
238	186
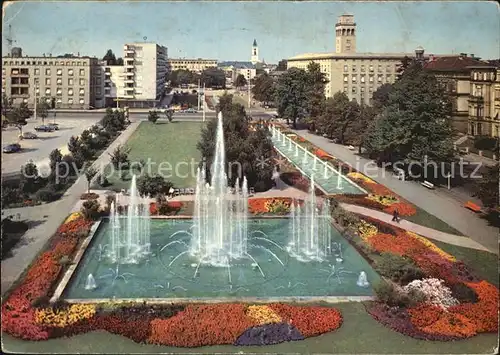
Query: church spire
255	43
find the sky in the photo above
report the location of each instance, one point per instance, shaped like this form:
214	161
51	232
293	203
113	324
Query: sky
226	30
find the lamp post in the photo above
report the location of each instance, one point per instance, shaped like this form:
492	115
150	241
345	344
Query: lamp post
35	95
204	103
249	98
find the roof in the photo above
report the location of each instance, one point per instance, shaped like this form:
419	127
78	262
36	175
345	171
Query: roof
255	43
329	55
237	64
455	63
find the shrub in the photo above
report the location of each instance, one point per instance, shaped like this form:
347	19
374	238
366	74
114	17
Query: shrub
153	185
47	194
389	294
398	269
103	181
269	334
89	196
486	143
463	293
90	209
434	290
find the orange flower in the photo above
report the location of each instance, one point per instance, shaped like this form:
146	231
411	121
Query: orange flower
403	209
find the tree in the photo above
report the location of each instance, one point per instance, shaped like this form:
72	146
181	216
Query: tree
263	90
381	96
42	108
153	116
109	57
169	114
153	185
282	65
406	62
240	81
90	172
416	123
29	177
340	114
55	160
291	95
247	152
214	78
7	105
114	120
119	157
18	116
487	188
315	91
119	61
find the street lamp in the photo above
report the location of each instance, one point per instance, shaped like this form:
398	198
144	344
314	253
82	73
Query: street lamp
35	94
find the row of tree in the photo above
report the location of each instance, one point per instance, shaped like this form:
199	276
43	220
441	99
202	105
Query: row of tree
210	77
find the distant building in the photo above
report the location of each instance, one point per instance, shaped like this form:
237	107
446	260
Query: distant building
357	74
75	83
474	88
194	65
255	53
234	68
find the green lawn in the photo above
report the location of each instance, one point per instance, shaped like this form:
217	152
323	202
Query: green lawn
426	219
169	147
358	334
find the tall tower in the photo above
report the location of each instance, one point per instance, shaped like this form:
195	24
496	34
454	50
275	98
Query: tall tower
255	52
345	34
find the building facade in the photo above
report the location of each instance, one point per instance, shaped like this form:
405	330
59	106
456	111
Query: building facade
194	65
473	86
145	67
358	75
75	82
254	59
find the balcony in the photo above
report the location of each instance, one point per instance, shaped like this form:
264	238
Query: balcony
130	73
129	64
476	99
129	80
128	50
107	73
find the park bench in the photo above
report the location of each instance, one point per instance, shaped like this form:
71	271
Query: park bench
428	185
472	206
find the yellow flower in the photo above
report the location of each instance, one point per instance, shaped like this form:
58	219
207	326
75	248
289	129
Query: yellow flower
359	176
72	217
64	317
262	315
366	230
384	200
432	246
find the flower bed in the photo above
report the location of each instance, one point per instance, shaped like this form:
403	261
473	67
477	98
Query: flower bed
437	316
89	196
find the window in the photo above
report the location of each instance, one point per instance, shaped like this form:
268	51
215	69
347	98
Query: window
353	68
47	91
353	89
59	81
388	78
70	101
82	91
354	78
82	72
47	81
346	78
59	72
371	79
37	71
389	68
59	101
485	77
82	101
47	71
37	90
362	78
475	76
70	72
345	88
379	68
70	81
371	67
379	78
346	68
59	91
370	89
82	82
478	91
362	68
362	89
70	92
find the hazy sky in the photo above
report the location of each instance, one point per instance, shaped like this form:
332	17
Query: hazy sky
225	30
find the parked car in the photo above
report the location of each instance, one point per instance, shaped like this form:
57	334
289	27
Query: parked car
44	128
55	125
12	148
191	110
28	135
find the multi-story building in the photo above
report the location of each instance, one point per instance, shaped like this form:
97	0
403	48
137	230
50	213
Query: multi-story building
194	65
473	86
113	84
356	74
74	82
145	70
235	68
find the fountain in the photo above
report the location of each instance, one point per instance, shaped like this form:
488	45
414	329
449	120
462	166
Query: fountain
220	219
362	280
130	243
90	283
310	229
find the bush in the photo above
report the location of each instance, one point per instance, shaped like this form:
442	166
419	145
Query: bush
103	181
387	293
463	293
398	268
90	209
486	143
89	196
47	194
153	185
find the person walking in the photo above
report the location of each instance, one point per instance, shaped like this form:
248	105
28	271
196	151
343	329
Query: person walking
395	216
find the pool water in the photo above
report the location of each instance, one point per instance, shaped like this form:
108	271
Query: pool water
277	274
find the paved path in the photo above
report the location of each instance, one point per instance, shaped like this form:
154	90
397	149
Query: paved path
416	228
435	201
48	217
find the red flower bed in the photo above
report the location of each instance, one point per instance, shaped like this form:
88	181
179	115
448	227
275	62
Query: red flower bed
201	325
153	210
404	209
77	225
424	314
176	205
359	200
321	153
258	205
311	320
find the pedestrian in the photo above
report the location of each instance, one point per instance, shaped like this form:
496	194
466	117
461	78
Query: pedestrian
395	216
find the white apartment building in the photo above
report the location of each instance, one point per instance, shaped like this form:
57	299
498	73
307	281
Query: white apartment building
194	65
145	69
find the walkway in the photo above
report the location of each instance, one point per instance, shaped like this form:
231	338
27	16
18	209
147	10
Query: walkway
48	218
416	228
436	202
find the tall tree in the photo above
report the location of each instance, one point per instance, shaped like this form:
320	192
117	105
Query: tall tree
487	187
282	65
7	104
340	114
18	116
240	81
263	90
42	108
315	91
380	97
291	95
406	62
119	61
214	78
416	122
109	57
